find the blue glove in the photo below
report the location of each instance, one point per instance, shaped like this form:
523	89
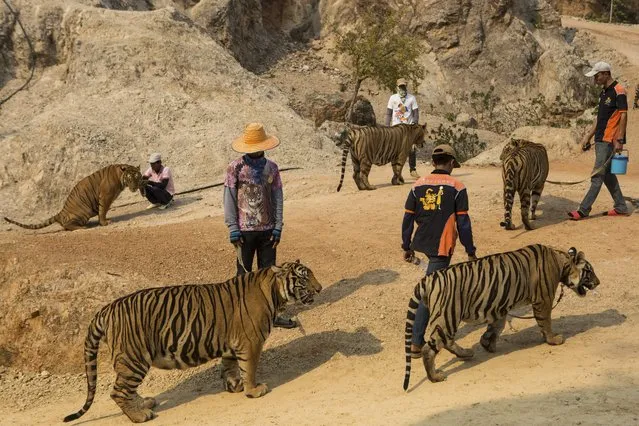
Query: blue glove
235	236
277	234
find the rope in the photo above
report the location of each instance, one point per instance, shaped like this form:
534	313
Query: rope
594	173
200	188
561	295
32	55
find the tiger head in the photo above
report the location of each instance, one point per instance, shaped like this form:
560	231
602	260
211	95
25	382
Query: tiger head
581	277
296	282
130	177
419	135
510	147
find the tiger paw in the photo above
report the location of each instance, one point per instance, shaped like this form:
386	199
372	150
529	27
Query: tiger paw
140	416
488	343
465	353
555	339
507	225
233	384
149	402
104	222
436	376
260	390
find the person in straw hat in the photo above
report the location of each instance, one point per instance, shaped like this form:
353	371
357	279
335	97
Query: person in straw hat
439	204
253	203
158	186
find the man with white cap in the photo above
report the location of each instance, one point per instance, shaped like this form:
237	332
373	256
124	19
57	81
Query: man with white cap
402	108
158	188
254	203
609	132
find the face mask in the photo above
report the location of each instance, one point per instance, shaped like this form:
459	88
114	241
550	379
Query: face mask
401	91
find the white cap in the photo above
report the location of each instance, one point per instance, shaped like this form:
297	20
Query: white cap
155	157
599	67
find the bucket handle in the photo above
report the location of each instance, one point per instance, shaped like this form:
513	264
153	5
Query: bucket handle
626	151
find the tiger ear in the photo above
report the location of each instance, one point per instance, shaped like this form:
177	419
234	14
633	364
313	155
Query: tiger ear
276	270
123	167
572	252
297	261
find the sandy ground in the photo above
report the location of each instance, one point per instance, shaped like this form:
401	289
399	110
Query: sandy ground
346	365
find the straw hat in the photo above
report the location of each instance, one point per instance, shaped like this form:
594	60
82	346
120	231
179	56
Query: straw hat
254	139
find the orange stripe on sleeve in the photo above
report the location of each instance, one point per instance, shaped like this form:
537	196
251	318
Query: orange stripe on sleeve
410	211
461	213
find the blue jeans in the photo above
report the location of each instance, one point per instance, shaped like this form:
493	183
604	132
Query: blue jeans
602	152
435	263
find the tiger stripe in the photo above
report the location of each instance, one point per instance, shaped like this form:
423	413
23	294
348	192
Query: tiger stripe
485	290
524	170
93	195
379	145
178	327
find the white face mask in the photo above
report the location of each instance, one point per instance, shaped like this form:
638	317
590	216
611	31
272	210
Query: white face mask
401	91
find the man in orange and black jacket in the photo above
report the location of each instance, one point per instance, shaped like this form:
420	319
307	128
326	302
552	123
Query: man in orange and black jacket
438	203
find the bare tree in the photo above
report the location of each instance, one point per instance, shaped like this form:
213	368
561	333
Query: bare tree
377	49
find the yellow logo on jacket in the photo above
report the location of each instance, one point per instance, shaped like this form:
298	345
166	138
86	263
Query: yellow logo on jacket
432	200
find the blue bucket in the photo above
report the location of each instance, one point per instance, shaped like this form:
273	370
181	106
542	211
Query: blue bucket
619	164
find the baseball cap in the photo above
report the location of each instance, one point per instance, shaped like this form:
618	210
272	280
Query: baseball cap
599	67
155	157
446	149
401	82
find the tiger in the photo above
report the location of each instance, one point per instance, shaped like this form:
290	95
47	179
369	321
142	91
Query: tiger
177	327
379	145
635	104
524	170
93	195
485	290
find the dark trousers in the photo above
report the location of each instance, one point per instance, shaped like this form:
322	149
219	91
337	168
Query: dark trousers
256	242
412	160
157	195
435	263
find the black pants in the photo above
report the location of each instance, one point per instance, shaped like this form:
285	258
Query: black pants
157	195
412	160
256	242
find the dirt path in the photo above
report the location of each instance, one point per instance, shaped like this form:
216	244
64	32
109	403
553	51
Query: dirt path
348	366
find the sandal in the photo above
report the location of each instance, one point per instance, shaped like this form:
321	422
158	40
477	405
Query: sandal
284	323
576	215
614	212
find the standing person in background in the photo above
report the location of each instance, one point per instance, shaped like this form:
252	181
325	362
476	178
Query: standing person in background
254	203
158	183
402	108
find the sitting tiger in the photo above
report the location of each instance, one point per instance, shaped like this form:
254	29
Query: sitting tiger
92	195
524	170
485	290
185	326
379	145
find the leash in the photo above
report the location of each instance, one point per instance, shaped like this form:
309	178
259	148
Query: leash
238	252
200	188
561	295
594	173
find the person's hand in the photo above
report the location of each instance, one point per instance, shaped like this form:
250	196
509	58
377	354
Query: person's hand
585	143
236	238
617	145
409	255
472	257
276	235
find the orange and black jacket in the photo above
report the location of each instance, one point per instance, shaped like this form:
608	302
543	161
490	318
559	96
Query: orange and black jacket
438	203
612	102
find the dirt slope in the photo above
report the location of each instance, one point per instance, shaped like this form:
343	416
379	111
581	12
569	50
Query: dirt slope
347	365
